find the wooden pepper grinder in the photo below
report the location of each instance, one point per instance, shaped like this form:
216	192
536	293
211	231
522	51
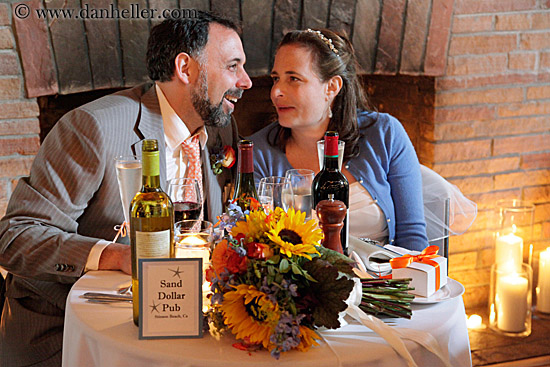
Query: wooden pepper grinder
331	215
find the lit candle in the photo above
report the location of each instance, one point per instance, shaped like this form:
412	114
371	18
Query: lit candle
194	246
509	250
511	302
543	286
475	322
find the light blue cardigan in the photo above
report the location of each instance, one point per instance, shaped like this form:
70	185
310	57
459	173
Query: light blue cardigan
387	167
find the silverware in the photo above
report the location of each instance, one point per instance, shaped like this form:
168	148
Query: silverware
105	301
106	297
125	290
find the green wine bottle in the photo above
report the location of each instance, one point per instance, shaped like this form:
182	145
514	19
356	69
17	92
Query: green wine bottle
245	190
151	219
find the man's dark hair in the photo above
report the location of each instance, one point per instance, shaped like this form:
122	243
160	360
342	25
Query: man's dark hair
173	36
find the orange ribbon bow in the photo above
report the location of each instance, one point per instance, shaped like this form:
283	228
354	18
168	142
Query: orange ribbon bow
429	252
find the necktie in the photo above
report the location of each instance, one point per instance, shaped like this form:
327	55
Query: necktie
191	148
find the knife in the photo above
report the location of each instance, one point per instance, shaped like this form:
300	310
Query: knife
107	297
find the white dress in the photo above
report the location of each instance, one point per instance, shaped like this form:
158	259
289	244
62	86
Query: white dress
366	219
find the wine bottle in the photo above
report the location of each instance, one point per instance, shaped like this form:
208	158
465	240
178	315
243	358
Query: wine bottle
151	218
330	181
245	189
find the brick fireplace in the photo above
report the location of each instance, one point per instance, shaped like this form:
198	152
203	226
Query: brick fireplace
469	79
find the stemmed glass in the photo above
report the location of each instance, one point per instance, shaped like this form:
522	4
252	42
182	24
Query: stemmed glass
186	197
270	192
128	174
298	190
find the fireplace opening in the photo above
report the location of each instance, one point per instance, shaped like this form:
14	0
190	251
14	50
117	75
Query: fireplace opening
409	98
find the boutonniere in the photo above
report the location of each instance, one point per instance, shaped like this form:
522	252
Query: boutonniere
222	157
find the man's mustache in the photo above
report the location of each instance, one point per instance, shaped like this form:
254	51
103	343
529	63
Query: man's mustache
234	92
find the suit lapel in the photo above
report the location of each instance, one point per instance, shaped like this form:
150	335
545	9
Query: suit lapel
150	126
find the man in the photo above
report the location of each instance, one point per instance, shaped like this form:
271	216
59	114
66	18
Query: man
59	217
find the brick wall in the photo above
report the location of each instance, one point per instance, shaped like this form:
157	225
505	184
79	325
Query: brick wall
18	115
492	124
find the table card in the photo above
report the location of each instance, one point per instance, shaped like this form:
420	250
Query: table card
170	298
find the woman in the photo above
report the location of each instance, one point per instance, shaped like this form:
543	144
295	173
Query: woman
315	89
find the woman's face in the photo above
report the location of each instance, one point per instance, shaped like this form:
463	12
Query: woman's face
298	94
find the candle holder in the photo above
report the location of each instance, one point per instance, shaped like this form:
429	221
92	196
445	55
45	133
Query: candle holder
515	228
193	239
543	285
510	300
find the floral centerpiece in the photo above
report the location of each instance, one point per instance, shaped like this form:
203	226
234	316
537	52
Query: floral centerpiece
273	283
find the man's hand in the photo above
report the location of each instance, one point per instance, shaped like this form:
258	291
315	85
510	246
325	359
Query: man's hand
116	256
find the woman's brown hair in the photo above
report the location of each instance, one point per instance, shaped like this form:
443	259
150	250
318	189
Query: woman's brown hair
333	55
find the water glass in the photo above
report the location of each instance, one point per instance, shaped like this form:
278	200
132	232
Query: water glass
128	173
270	192
186	197
299	187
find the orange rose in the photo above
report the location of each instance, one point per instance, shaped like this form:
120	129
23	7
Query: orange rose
224	257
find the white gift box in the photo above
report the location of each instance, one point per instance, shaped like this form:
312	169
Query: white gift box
423	276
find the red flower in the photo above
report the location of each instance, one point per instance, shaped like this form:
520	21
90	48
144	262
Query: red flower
228	156
256	250
224	257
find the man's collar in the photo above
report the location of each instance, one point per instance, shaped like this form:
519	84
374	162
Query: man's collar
175	129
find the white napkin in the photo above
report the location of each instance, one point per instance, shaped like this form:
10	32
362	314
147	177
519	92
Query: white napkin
393	336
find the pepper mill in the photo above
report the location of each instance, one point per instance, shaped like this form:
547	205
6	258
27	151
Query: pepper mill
331	215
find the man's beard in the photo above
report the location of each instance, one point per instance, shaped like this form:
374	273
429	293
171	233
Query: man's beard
212	115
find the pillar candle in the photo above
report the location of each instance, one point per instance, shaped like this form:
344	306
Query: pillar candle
509	251
511	302
543	286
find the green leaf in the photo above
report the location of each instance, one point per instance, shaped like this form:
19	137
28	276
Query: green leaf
296	269
284	265
343	263
274	259
330	292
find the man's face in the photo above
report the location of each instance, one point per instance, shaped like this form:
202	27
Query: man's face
222	77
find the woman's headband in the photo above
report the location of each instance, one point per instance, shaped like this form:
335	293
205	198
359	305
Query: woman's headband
325	39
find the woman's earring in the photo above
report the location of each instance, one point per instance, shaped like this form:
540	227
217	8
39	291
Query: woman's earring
329	112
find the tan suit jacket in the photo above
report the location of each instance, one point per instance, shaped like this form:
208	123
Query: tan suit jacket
69	202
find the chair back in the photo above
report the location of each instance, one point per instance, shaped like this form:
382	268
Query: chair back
436	209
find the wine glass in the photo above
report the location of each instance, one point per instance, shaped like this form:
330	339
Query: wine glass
186	197
299	187
128	174
270	192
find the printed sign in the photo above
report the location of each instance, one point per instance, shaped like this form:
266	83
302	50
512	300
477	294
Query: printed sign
170	298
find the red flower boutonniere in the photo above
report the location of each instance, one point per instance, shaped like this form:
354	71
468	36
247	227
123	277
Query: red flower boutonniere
222	158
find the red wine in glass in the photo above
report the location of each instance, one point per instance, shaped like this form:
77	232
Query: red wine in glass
186	210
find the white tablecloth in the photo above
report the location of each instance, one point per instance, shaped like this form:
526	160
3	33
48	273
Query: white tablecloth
105	335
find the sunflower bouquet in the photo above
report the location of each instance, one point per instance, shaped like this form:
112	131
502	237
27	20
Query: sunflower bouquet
273	284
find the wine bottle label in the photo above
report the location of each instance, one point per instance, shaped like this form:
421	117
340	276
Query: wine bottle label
150	163
153	244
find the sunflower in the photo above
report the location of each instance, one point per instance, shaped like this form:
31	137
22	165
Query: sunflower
295	237
250	314
308	338
253	228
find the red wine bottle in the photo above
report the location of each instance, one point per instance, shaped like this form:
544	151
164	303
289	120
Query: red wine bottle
331	181
245	191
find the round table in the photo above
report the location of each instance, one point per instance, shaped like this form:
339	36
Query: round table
105	335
